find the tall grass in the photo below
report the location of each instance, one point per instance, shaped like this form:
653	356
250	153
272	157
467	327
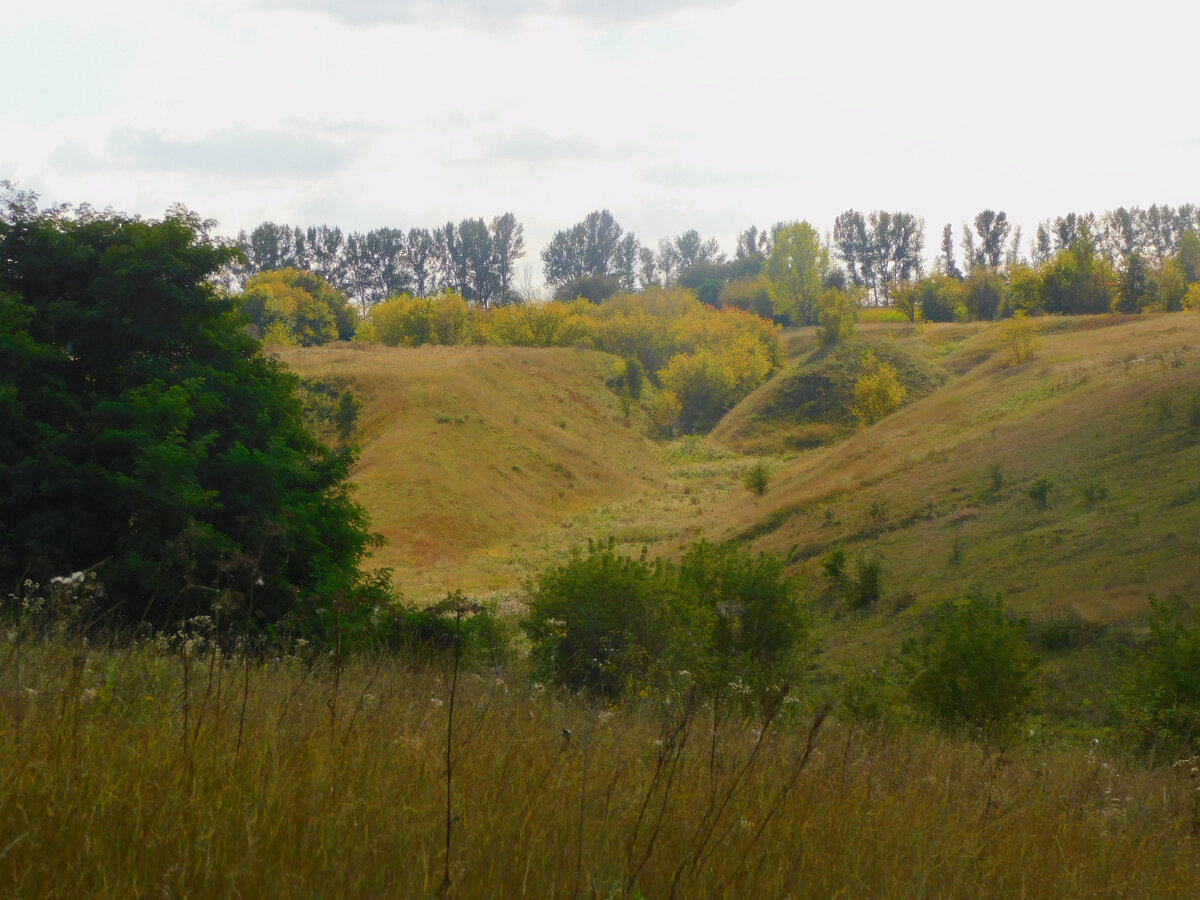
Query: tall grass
288	778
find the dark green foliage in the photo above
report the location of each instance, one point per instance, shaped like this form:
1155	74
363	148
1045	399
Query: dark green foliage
972	667
1062	632
834	567
606	623
983	293
593	288
1159	705
609	624
345	416
148	438
752	607
1039	491
937	297
628	378
756	478
866	589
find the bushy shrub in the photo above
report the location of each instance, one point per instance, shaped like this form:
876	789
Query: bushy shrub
1020	333
834	567
1159	705
877	391
756	478
609	624
866	589
756	620
147	437
1039	491
835	316
972	667
297	308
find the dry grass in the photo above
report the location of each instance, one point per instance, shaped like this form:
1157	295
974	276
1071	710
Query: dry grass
1086	411
272	778
469	453
1105	405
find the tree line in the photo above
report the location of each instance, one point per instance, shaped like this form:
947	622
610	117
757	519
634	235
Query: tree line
474	258
868	254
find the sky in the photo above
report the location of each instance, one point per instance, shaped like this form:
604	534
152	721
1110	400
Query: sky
673	114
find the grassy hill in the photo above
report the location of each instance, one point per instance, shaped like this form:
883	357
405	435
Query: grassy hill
468	450
169	766
480	465
1106	413
1108	410
811	402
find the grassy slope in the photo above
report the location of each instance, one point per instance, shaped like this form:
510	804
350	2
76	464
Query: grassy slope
469	471
466	450
1105	404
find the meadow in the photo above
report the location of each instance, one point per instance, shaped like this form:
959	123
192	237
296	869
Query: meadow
166	768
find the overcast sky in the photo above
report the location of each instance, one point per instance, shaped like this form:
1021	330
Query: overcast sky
673	114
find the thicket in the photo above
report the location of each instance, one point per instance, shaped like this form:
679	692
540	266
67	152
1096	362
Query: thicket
614	625
297	308
972	667
1158	705
148	442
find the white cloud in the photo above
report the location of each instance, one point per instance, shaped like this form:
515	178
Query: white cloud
234	152
478	14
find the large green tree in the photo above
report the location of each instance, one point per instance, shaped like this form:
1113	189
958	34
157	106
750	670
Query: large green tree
795	270
146	437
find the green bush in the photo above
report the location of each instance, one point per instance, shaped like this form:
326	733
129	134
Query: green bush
147	438
756	478
866	589
972	667
607	623
1159	705
611	624
756	620
834	567
1039	491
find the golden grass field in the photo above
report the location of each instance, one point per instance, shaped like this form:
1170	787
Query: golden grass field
122	776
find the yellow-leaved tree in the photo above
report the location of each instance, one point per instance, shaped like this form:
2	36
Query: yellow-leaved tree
1020	333
877	391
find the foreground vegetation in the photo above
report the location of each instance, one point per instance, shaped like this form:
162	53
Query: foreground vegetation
167	767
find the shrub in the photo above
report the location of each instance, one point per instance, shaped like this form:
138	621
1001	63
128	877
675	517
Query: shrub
1020	333
297	308
607	623
1039	491
756	478
972	667
834	567
1159	705
144	428
835	316
755	618
877	391
867	587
